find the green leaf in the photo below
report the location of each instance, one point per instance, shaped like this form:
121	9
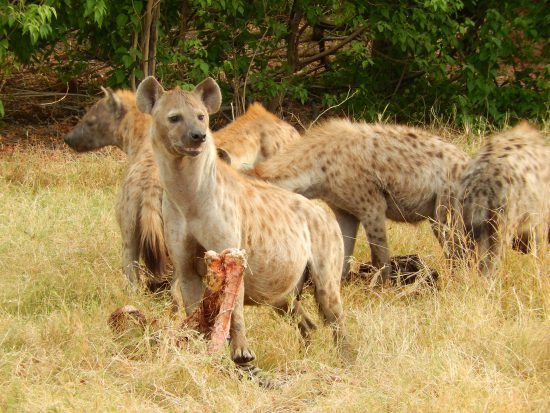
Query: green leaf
121	20
204	67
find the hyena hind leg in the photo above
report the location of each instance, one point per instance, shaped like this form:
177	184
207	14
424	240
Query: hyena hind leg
348	225
305	323
327	296
531	240
523	242
374	223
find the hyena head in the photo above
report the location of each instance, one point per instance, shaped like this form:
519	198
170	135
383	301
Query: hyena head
98	126
180	118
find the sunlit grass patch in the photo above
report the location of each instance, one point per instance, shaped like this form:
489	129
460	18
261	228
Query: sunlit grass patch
472	344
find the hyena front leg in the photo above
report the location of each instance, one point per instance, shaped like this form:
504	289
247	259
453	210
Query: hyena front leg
489	248
127	212
240	350
186	283
348	225
130	255
440	220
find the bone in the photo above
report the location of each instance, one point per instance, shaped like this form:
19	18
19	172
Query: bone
212	317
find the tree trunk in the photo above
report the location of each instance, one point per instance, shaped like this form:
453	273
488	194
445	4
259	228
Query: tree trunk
185	13
293	36
149	37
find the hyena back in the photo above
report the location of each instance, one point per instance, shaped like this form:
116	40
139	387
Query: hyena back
208	205
504	193
368	173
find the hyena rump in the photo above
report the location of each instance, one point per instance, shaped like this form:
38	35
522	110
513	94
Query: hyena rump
367	173
505	193
208	205
115	120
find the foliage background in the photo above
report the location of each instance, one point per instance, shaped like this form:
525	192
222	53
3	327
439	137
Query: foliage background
412	60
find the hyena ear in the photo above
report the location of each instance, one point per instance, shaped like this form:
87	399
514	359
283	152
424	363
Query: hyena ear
148	93
224	155
209	92
113	99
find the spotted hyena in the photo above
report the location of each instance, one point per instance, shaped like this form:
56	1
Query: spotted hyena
370	172
505	193
208	205
115	120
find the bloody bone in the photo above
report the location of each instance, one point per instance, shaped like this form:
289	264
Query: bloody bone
224	276
212	317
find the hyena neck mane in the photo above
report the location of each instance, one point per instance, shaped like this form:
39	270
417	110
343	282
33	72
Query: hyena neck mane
193	182
183	143
131	134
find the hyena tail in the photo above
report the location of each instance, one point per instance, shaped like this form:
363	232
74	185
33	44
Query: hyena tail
152	243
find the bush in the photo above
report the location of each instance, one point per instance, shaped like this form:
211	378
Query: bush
464	60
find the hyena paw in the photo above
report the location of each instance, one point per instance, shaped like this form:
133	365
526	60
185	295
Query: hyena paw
240	352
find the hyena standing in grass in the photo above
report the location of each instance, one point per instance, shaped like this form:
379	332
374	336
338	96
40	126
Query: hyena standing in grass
505	193
367	173
208	205
115	120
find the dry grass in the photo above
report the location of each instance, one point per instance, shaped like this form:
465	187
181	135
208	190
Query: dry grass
472	345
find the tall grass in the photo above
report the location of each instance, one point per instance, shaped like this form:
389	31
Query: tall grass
471	345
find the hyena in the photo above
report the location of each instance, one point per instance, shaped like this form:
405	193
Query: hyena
505	193
209	206
257	136
115	120
369	172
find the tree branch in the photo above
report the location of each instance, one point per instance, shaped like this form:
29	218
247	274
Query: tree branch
310	59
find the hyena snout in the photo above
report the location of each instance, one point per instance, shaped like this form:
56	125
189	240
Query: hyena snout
191	142
197	137
73	139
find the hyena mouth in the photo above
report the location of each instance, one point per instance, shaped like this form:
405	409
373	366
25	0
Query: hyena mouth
187	151
192	151
79	147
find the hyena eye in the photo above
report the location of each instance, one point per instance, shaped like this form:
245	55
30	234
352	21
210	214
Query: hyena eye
201	117
174	118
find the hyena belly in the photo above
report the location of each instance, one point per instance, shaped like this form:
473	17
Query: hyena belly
406	211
